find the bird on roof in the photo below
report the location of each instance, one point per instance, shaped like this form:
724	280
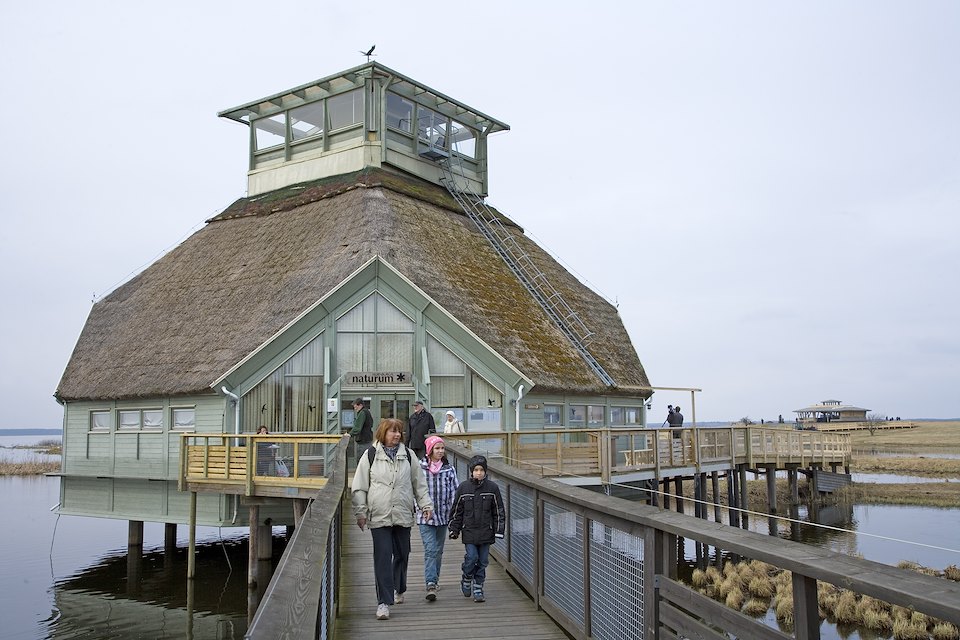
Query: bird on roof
369	53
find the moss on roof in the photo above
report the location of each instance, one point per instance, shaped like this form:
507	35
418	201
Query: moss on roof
179	325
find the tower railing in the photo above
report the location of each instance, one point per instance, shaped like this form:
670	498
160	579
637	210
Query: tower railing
516	257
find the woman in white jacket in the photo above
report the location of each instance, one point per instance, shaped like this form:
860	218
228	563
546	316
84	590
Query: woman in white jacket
384	492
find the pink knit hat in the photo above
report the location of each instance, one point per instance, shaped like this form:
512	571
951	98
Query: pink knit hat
430	442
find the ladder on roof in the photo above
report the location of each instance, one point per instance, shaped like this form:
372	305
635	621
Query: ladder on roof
522	265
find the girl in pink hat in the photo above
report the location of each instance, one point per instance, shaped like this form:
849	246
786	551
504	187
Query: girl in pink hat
441	485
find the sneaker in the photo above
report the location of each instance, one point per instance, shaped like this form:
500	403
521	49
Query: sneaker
397	598
466	584
431	592
478	593
383	612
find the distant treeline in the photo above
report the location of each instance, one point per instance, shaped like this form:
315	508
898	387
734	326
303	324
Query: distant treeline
31	432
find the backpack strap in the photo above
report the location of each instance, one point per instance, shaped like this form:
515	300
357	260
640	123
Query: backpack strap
372	453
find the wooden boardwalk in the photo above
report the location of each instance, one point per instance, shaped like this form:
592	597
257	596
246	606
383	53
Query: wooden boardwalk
507	613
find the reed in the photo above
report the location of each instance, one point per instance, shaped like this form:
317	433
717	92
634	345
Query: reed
945	631
699	579
952	573
906	630
734	599
845	610
28	468
761	587
756	607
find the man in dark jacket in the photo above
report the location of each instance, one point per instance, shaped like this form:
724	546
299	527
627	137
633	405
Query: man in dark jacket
477	514
361	435
419	426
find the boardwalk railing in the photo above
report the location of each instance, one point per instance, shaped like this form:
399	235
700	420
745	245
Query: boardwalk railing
609	452
605	568
302	598
262	465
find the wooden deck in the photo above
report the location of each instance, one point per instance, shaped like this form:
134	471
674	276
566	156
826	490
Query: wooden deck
507	613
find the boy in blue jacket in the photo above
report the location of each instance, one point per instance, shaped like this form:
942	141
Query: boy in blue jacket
477	514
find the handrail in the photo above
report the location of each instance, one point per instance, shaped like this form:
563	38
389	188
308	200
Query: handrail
610	452
564	544
301	599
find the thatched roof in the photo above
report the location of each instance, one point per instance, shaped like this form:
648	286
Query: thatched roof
183	322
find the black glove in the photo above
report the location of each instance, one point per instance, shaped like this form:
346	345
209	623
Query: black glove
454	535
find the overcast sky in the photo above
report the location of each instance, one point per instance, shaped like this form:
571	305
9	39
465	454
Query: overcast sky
768	191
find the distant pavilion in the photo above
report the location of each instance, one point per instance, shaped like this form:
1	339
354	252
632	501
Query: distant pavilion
831	411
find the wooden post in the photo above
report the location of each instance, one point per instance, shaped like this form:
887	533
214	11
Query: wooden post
742	486
806	620
192	546
252	543
678	488
715	485
169	538
732	513
134	536
794	487
666	493
771	472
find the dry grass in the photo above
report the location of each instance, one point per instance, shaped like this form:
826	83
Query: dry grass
28	468
930	494
927	436
918	466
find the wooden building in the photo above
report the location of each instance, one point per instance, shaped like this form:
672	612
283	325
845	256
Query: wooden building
350	269
830	411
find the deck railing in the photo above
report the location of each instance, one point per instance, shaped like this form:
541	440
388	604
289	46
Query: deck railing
251	464
302	598
614	451
605	568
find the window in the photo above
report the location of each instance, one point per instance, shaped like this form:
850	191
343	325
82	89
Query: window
577	416
552	415
99	421
270	132
464	141
447	375
594	416
374	336
399	113
345	109
432	127
289	399
306	121
184	419
141	419
624	416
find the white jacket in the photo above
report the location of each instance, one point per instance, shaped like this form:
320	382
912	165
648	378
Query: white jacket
385	493
453	427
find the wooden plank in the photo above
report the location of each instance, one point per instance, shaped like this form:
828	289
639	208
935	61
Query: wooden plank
685	626
733	622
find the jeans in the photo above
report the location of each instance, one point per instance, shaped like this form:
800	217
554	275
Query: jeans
475	561
391	550
433	539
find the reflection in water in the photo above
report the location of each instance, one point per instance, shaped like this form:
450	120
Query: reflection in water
148	596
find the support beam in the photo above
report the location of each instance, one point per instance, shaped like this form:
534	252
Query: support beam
192	546
715	486
733	499
135	536
771	473
169	538
252	543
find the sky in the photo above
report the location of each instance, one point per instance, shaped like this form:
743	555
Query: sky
769	192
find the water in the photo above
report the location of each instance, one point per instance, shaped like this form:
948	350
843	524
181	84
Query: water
69	577
9	454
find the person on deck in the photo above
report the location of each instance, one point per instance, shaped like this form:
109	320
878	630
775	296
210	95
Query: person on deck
442	484
385	491
420	425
